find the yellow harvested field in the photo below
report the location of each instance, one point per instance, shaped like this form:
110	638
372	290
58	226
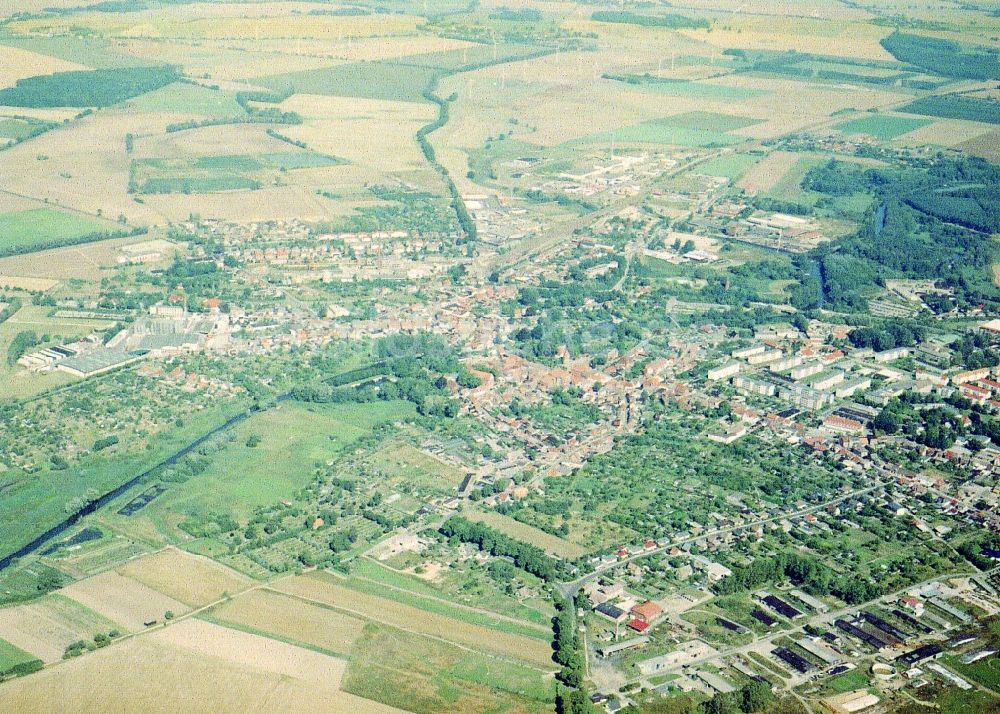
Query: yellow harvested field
252	651
196	670
184	23
123	600
47	626
57	114
986	146
765	174
372	133
292	619
324	588
225	63
826	37
952	132
82	165
191	579
223	140
16	64
16	282
515	529
364	49
270	203
83	262
803	8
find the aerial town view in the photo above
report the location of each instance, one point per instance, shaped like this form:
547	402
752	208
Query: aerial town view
511	356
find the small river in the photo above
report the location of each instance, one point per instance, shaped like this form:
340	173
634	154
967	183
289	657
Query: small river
104	500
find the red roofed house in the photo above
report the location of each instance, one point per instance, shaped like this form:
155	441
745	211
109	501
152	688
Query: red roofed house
646	611
638	625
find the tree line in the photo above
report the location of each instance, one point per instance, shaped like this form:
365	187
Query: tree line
529	558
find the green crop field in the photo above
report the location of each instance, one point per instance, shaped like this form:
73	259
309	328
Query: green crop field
300	160
22	128
660	132
731	165
207	174
40	228
11	656
470	56
371	80
710	121
97	52
184	98
420	674
880	126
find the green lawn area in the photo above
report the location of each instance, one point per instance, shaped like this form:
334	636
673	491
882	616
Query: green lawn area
184	98
731	166
847	682
953	700
986	671
294	437
529	534
881	126
39	228
403	463
372	80
789	186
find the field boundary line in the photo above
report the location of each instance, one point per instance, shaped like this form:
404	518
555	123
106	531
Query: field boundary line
445	601
369	618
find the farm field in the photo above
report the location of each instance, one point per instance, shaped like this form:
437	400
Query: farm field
326	589
191	579
731	166
11	656
26	231
183	98
80	262
192	666
47	626
881	126
286	618
426	675
391	81
124	601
